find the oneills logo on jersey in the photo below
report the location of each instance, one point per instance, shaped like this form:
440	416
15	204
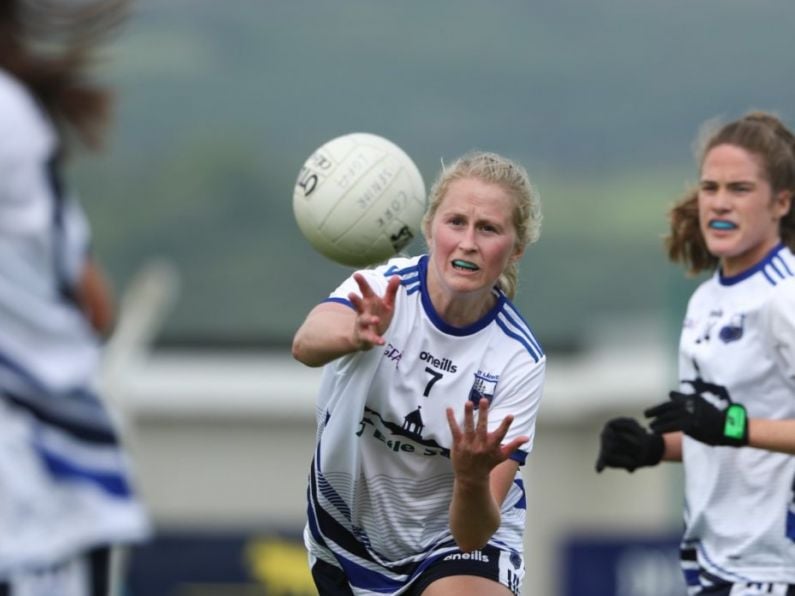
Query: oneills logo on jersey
444	364
485	385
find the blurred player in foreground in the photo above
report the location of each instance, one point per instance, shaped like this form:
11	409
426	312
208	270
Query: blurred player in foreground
732	421
65	497
428	401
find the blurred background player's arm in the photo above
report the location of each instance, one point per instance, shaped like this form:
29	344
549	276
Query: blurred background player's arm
95	297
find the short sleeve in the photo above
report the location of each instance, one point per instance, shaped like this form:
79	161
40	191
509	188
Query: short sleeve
374	277
519	395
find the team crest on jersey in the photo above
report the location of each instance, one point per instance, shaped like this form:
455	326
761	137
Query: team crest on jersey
485	385
734	330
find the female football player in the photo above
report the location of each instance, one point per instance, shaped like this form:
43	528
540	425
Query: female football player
65	496
732	419
428	401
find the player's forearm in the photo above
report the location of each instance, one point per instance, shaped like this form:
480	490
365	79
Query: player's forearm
326	334
673	446
94	297
474	514
773	435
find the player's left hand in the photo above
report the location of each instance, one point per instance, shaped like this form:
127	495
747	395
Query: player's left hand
698	418
476	451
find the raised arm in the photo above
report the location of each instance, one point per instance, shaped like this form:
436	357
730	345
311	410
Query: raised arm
483	476
332	329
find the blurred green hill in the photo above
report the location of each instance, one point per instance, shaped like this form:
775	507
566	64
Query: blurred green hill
220	104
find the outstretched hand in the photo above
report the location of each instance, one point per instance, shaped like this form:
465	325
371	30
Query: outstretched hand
476	451
373	312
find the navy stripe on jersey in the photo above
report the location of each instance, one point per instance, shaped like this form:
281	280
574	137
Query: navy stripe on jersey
332	497
773	267
325	528
78	413
83	432
409	277
689	565
790	531
519	456
522	340
311	519
514	326
343	301
522	502
517	318
332	530
783	264
111	482
776	270
55	181
711	574
393	270
322	525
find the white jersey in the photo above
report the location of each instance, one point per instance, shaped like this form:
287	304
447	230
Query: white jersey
381	480
63	476
738	346
43	243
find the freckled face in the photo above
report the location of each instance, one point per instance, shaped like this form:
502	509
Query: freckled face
738	214
472	237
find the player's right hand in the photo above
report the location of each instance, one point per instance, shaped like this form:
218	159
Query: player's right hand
373	312
625	444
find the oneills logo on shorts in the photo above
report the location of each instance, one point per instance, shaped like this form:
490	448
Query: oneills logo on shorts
475	555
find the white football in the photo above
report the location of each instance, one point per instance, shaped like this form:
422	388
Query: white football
359	199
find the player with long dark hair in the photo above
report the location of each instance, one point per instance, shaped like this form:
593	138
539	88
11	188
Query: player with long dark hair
732	419
65	493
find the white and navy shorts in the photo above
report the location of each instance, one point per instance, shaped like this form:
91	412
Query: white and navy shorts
503	566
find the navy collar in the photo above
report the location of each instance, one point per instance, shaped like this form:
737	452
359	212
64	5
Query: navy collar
440	323
734	279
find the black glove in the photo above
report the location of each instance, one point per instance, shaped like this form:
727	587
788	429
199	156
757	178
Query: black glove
698	418
626	444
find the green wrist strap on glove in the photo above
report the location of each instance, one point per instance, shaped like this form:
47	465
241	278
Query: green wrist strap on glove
736	426
695	416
